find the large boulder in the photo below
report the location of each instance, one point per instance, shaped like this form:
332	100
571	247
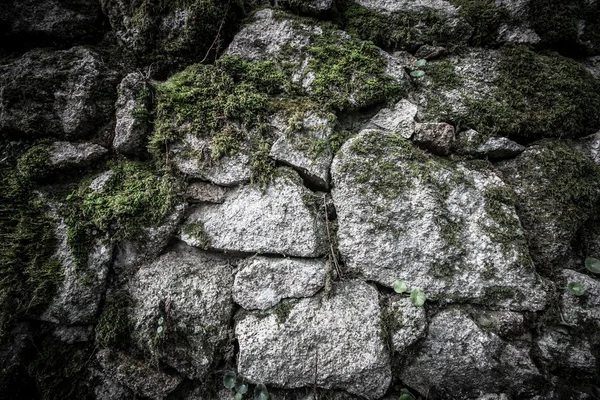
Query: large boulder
448	228
460	360
551	217
182	309
65	94
330	342
282	219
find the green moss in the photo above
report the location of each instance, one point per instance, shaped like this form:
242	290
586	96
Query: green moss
400	30
499	201
132	198
197	231
61	371
33	165
114	327
29	273
283	309
484	16
536	96
443	74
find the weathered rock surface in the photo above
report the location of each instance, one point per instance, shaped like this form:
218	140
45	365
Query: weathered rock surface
437	138
407	323
142	379
72	334
65	154
494	148
204	192
400	119
78	297
408	5
281	220
558	350
459	360
66	94
552	217
132	114
341	331
449	229
582	311
310	7
52	22
182	308
263	281
305	147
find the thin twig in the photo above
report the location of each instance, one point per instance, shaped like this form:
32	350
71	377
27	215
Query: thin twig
218	33
316	365
332	251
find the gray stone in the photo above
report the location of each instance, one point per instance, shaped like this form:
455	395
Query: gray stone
502	323
497	148
78	297
192	156
408	323
296	146
131	128
438	138
310	7
550	218
263	281
560	351
591	145
65	94
98	183
142	379
107	389
72	334
341	331
518	34
65	154
183	308
581	311
400	119
204	192
428	52
281	220
409	5
459	360
440	226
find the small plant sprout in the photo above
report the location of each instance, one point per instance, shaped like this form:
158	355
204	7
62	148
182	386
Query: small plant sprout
238	396
260	392
229	379
399	286
241	388
405	395
593	265
420	63
416	72
576	288
417	296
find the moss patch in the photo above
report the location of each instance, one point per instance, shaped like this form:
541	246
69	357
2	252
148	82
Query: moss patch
484	16
196	231
132	198
114	326
443	74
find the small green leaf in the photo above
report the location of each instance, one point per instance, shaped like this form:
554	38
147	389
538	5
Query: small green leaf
417	296
161	321
593	265
260	392
241	388
159	329
420	63
405	395
229	379
400	286
238	396
69	197
576	288
417	74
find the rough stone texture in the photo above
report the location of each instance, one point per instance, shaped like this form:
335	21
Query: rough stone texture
409	5
78	298
295	146
428	52
440	226
551	216
204	192
98	183
192	157
591	145
131	253
66	94
107	389
438	138
400	119
558	350
408	323
343	330
582	311
65	154
310	7
132	126
191	292
494	148
142	379
506	324
51	22
72	334
459	360
263	281
281	220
